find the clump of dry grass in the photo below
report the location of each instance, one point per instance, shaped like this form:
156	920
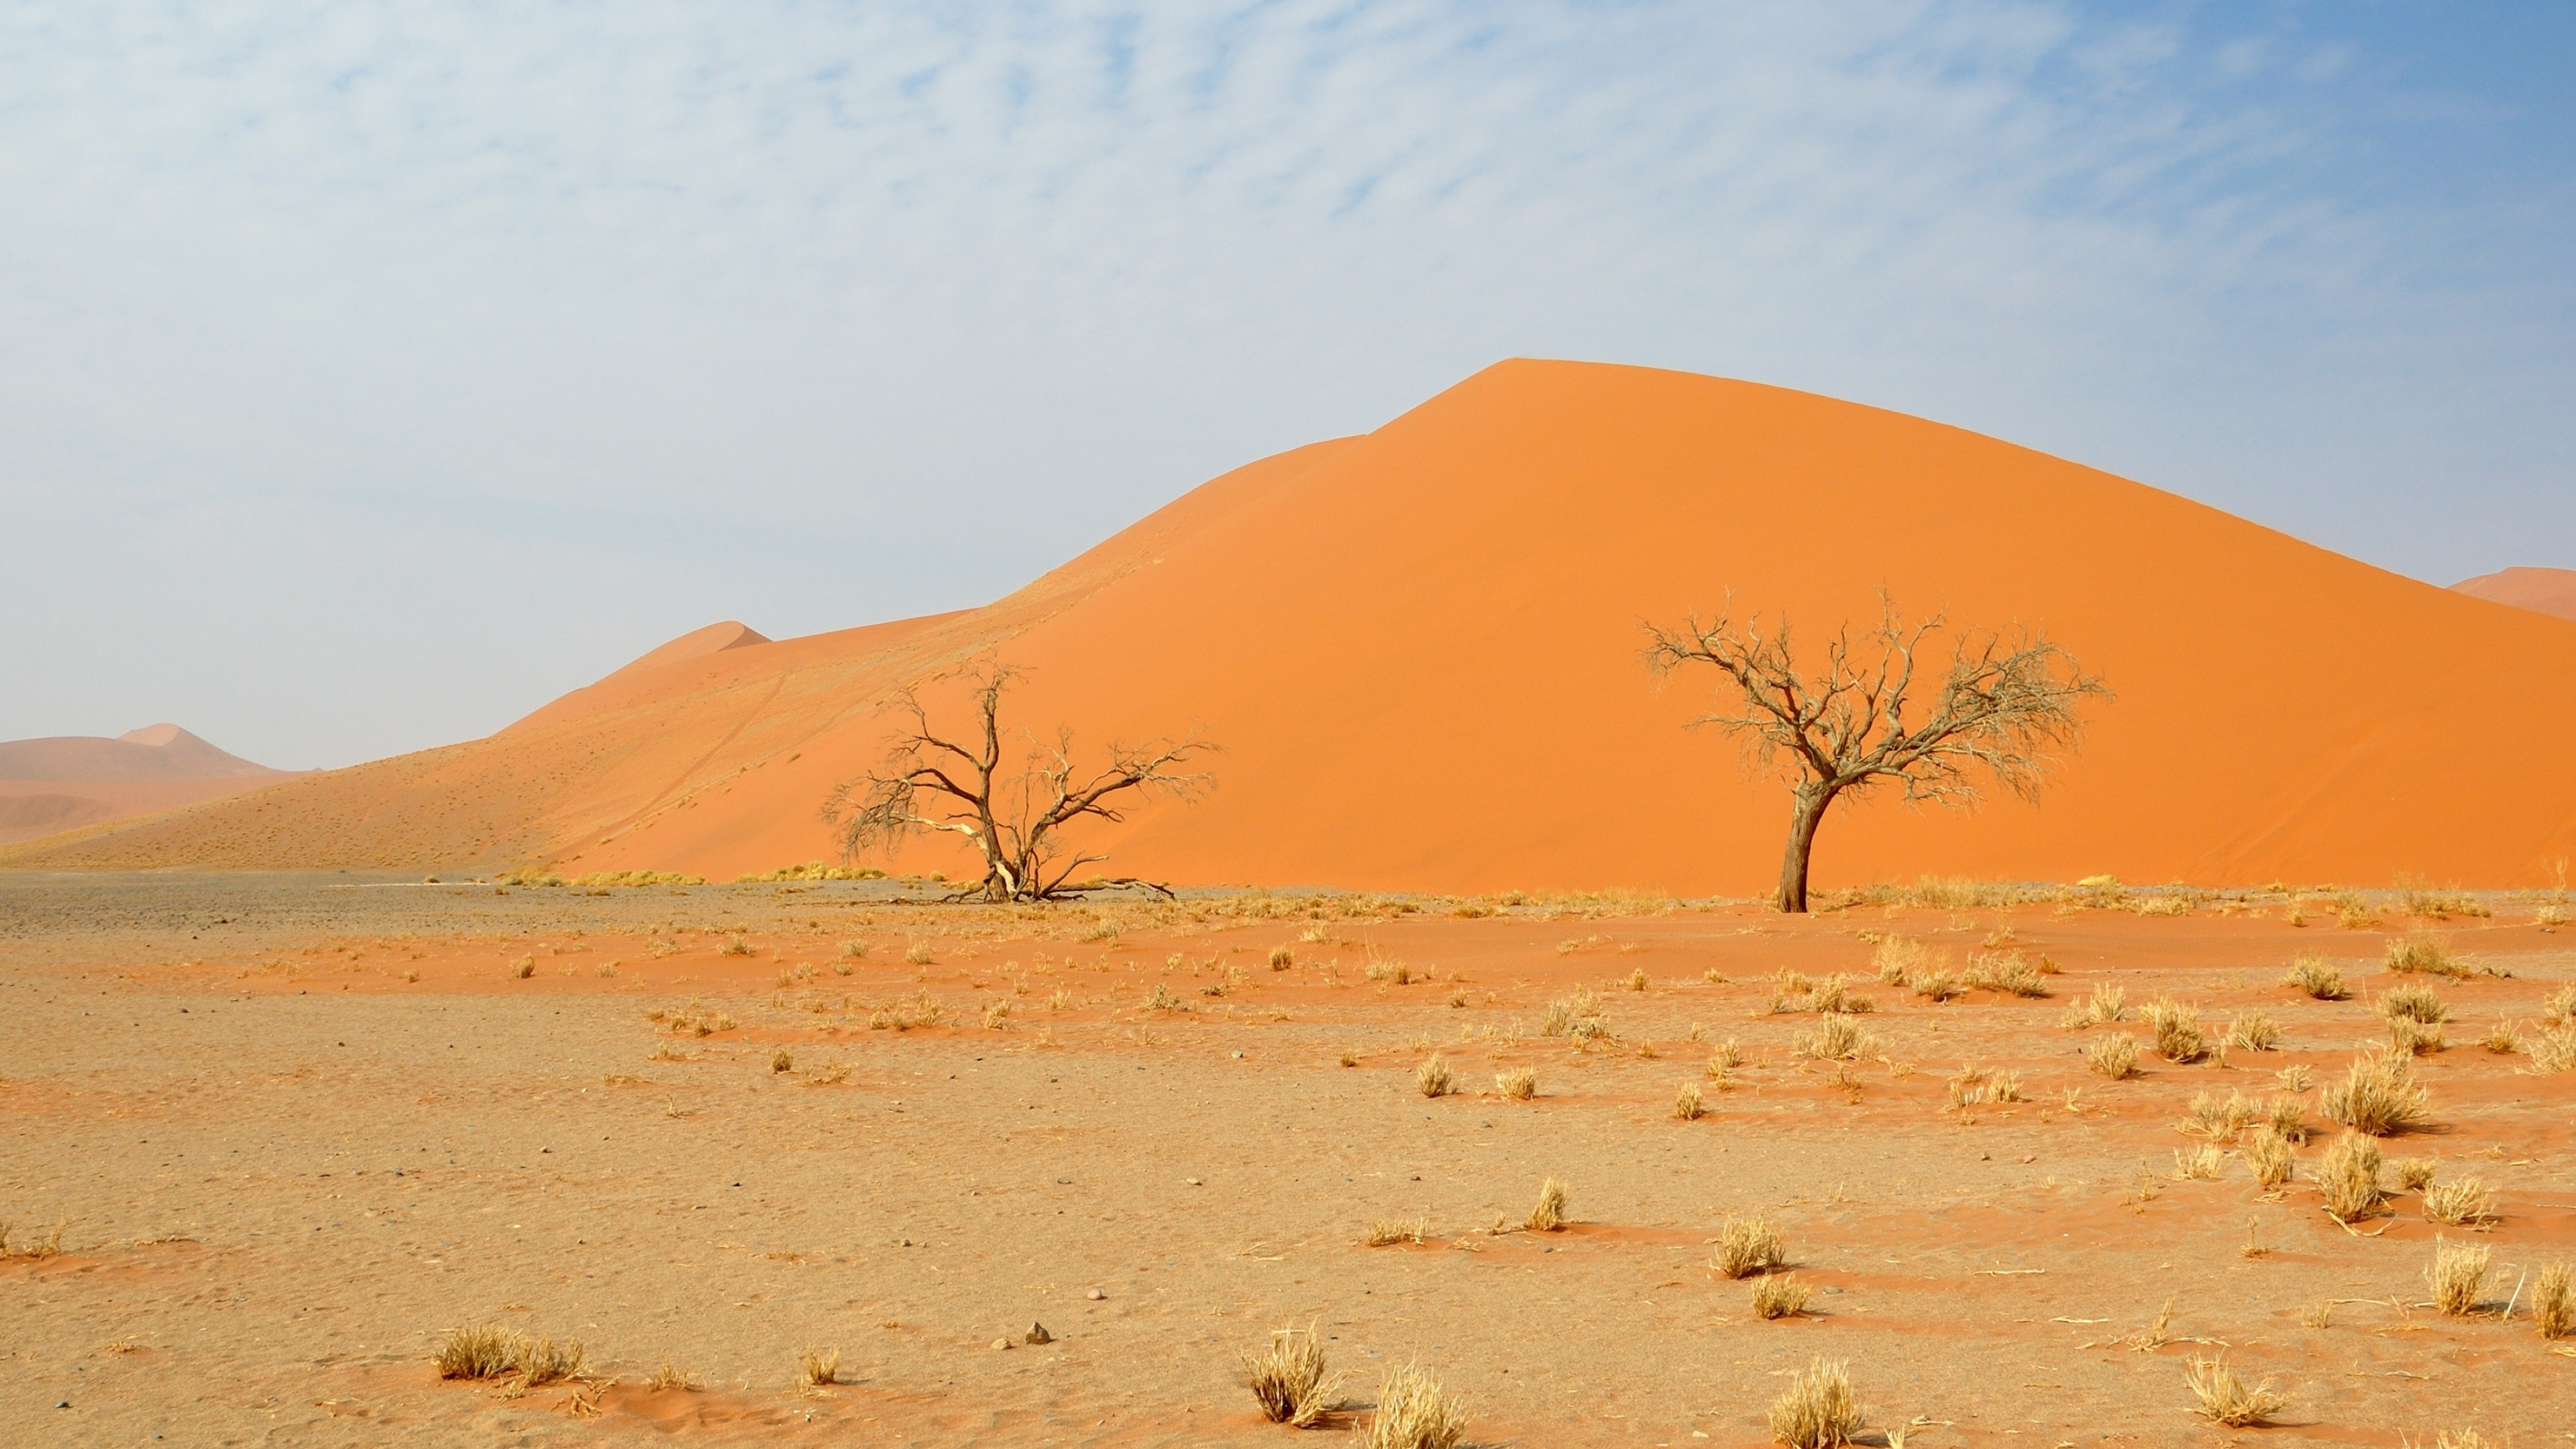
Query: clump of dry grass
2288	1118
2428	954
2416	1173
524	967
2008	972
2178	1034
1831	994
918	1012
1686	1104
1746	1246
1388	1234
2458	1275
2464	1439
2552	1052
1779	1295
2553	1301
818	1369
1434	1078
2315	976
2113	1054
1578	1017
997	1015
2348	1177
1289	1379
2220	1119
669	1377
1413	1413
1817	1410
2254	1032
1837	1038
918	954
2504	1041
1547	1215
2413	1038
1518	1085
2225	1398
2413	1001
2267	1152
2560	1008
2377	1096
2462	1202
782	1060
2106	1005
497	1351
2200	1164
1281	958
1724	1057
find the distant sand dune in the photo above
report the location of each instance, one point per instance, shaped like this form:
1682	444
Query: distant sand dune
1420	650
69	781
2550	591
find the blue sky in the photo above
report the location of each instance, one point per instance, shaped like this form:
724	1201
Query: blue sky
370	374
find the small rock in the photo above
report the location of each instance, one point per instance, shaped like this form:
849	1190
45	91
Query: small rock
1095	1295
1238	1056
1037	1334
1001	1343
1192	1181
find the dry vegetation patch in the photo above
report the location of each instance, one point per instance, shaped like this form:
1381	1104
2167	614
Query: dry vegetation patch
2226	1399
2377	1096
1413	1413
1817	1410
1289	1379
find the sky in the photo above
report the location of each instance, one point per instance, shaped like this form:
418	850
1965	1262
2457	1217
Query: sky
370	374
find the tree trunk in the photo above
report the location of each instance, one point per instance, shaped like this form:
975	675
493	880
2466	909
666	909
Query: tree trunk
1812	799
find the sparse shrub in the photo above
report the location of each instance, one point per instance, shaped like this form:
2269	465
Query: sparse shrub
2224	1398
1412	1413
1519	1084
2113	1054
2377	1096
2348	1177
2268	1153
2178	1034
2553	1301
2424	953
1548	1214
1434	1078
2457	1277
2464	1202
1746	1246
1779	1295
2313	975
2253	1032
1289	1380
818	1368
1817	1410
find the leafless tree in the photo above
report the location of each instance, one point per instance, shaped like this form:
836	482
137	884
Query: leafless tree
2001	702
1013	813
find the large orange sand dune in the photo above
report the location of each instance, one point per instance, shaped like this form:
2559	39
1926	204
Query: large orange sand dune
2551	591
1420	649
66	781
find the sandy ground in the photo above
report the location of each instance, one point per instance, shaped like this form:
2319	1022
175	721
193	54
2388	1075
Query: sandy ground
294	1128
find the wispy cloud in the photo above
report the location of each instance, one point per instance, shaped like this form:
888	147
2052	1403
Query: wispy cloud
812	312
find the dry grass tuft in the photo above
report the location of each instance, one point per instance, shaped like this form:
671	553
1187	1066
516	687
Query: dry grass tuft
2416	1173
2008	972
1289	1380
2560	1008
2225	1399
2466	1202
1779	1295
2457	1277
496	1351
2313	975
2178	1034
2200	1164
1281	958
1837	1038
2106	1005
1746	1246
1548	1214
1817	1410
2267	1152
2253	1032
2348	1177
1519	1084
2377	1096
2553	1301
2114	1055
1387	1235
2504	1041
2287	1117
1412	1413
1724	1057
2552	1052
2464	1439
669	1377
2220	1119
2413	1038
2413	1001
1434	1078
818	1369
2427	954
1686	1105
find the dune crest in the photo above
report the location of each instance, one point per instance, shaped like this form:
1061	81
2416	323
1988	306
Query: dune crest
65	782
2548	591
1420	650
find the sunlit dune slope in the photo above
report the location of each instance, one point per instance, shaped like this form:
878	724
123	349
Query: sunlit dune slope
2551	591
678	732
1420	651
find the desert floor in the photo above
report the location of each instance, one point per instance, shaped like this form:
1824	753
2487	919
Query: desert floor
286	1131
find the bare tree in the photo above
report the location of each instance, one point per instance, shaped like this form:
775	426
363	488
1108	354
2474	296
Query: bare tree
2000	703
1013	814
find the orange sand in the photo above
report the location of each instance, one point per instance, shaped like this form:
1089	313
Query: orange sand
68	781
2551	591
1420	651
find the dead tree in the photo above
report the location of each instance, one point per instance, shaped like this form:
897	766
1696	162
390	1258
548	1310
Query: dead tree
2001	702
1015	814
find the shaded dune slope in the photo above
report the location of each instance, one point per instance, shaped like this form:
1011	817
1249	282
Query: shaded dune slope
1420	650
